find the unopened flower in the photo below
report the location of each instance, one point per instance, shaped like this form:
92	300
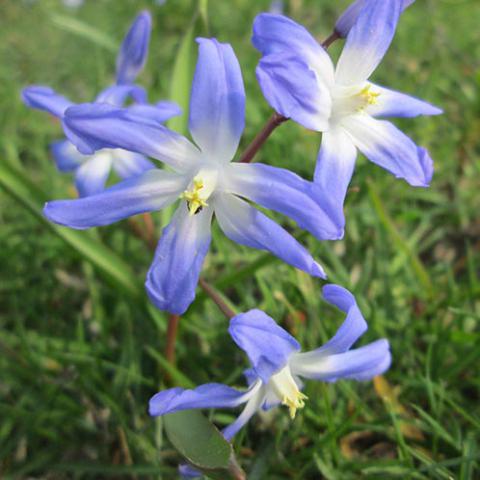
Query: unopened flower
278	366
92	171
202	178
299	81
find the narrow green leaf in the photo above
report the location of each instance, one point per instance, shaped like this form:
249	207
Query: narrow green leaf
203	10
77	27
103	259
184	66
182	79
399	241
202	445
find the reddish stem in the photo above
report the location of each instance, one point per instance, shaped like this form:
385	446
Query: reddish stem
333	36
273	122
216	297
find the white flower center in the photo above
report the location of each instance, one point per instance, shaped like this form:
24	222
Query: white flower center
200	189
350	100
285	388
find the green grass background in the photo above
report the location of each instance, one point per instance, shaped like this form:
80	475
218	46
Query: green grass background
79	359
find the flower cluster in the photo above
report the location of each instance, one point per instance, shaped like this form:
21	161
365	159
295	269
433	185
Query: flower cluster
300	82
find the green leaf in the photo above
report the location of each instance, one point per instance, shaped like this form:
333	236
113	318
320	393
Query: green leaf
184	67
102	258
202	445
77	27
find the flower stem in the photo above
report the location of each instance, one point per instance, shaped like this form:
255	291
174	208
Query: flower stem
172	329
333	36
273	122
216	297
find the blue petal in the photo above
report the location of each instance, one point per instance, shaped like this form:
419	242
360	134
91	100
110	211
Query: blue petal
247	226
134	50
274	34
210	395
384	144
395	104
335	165
257	397
173	275
267	345
350	15
117	95
359	364
92	175
217	104
67	157
291	88
354	325
96	126
152	191
285	192
368	41
159	113
128	164
44	98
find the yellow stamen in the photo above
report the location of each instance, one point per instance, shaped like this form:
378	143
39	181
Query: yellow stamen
287	391
295	403
369	97
194	199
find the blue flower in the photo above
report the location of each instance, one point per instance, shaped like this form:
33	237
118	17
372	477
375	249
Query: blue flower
278	366
92	171
348	18
202	177
299	81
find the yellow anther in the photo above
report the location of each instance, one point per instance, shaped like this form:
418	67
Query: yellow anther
194	199
294	403
370	98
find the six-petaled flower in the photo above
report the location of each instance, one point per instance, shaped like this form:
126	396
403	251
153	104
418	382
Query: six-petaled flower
203	178
299	81
278	366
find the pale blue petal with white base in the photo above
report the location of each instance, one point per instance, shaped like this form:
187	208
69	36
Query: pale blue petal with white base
267	345
285	192
217	102
134	50
97	126
335	166
153	190
368	41
247	226
173	275
253	405
384	144
396	104
358	364
350	15
292	89
67	157
46	99
91	176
